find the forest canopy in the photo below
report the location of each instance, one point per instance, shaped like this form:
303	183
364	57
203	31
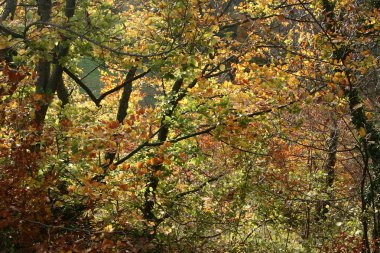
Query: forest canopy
189	126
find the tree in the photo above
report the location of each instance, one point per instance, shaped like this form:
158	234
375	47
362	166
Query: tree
261	135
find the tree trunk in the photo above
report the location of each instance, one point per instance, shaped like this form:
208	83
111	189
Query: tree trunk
329	169
153	181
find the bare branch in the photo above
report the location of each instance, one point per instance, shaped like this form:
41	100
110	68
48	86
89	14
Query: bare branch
82	85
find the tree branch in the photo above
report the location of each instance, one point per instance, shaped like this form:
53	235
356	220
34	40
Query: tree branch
82	85
126	82
10	32
137	149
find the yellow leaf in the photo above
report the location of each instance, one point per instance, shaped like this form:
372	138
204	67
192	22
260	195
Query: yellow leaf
369	115
3	44
362	132
108	228
147	22
32	114
222	67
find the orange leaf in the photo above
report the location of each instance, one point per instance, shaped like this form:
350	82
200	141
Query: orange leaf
113	124
139	165
126	166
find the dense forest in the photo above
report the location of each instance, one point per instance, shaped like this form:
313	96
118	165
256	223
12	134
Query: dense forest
190	126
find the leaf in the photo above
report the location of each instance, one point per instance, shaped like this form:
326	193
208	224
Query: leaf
222	67
329	97
112	167
369	115
362	132
281	17
139	165
126	166
113	124
357	106
108	228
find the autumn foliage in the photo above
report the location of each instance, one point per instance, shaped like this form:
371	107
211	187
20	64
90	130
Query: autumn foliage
205	126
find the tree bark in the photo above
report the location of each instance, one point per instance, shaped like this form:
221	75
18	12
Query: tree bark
70	8
125	96
121	114
62	93
44	9
329	169
48	83
371	145
9	9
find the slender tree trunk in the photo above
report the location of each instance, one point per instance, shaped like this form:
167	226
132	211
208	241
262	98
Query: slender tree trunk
329	169
44	9
121	115
371	140
9	9
371	146
366	245
48	83
62	93
125	96
153	181
43	74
